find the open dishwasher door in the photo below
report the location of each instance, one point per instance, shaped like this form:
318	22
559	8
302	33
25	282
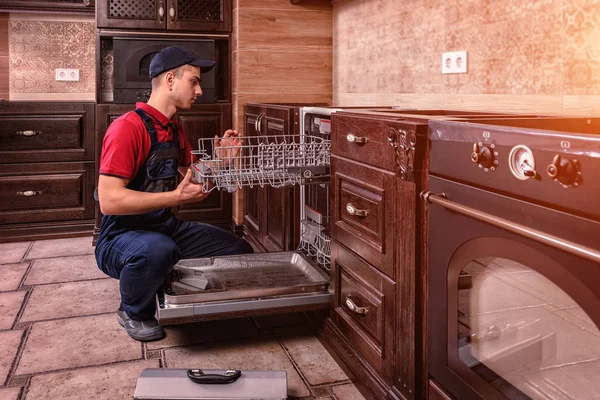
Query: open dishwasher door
241	286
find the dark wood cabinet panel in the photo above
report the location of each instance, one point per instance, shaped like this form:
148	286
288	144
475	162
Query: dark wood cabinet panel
363	208
363	308
46	192
201	122
80	6
270	223
47	174
45	132
172	15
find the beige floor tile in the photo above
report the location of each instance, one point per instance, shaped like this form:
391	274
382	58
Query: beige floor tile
61	247
10	304
203	332
347	392
11	253
279	320
257	353
72	299
77	342
10	393
109	382
315	363
12	274
63	269
9	345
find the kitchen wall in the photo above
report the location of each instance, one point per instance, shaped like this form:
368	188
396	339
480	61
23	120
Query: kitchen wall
538	56
32	46
281	53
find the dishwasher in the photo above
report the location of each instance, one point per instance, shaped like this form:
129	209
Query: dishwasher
261	283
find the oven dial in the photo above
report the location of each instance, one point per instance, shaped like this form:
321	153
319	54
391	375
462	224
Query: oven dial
564	171
484	157
522	162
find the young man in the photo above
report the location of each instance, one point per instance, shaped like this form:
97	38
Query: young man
140	239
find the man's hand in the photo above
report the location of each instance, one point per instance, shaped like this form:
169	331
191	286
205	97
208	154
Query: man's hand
227	148
189	191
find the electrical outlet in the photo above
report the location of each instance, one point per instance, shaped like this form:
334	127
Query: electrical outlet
67	74
454	62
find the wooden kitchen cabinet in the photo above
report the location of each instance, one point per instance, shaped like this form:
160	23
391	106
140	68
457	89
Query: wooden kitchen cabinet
373	316
171	15
271	214
201	121
46	170
79	6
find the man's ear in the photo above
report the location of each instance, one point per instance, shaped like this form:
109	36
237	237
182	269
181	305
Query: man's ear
170	79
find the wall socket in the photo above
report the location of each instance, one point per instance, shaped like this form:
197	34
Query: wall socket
67	74
454	62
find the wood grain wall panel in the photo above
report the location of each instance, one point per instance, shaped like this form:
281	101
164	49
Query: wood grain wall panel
285	29
306	5
288	72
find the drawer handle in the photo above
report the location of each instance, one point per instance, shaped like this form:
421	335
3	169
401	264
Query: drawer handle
357	139
354	308
29	193
28	133
355	211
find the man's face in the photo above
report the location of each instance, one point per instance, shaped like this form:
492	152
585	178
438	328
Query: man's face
187	87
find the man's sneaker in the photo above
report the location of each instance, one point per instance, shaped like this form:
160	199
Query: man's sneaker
143	331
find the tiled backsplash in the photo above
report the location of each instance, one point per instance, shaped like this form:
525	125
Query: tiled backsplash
38	44
542	53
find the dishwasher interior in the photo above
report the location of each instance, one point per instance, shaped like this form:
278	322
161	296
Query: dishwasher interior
261	283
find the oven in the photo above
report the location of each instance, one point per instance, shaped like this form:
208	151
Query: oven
514	259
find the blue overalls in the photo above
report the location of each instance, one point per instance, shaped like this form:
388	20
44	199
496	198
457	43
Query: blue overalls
140	250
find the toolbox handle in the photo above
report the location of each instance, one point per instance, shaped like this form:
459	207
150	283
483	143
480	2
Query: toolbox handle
198	376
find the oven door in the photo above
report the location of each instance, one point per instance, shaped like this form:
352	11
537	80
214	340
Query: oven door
514	297
241	286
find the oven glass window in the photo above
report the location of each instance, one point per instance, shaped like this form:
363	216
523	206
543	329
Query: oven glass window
524	335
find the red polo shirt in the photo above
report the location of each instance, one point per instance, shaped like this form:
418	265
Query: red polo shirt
127	143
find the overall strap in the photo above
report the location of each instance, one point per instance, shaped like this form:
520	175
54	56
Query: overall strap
149	125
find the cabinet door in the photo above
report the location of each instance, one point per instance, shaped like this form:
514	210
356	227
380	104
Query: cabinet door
199	15
83	6
206	121
131	14
279	218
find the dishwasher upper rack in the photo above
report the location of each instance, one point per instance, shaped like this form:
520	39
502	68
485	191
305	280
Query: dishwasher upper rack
274	161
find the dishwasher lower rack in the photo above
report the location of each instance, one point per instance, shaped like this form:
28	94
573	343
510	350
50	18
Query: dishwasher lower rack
274	161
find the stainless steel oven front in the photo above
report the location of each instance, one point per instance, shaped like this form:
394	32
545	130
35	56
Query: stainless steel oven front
514	259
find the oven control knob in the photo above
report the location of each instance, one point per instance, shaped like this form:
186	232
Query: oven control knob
483	156
148	92
564	171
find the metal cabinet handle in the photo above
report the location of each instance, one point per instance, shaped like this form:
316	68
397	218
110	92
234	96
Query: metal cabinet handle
357	139
29	193
260	117
172	12
161	12
354	308
350	209
256	123
28	133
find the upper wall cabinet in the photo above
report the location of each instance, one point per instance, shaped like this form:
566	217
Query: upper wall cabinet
48	5
173	15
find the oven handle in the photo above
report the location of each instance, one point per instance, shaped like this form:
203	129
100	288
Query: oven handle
544	238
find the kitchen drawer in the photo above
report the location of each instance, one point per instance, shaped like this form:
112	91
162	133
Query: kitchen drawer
363	205
363	308
46	192
363	139
41	135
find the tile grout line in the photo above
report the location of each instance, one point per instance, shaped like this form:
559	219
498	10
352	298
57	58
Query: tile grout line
76	281
69	317
25	275
21	348
24	258
26	298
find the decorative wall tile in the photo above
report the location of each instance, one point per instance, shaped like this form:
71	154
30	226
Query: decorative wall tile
532	48
37	48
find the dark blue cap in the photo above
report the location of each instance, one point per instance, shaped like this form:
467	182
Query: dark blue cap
176	56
